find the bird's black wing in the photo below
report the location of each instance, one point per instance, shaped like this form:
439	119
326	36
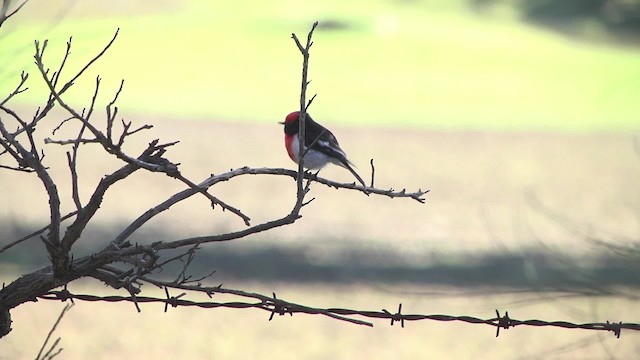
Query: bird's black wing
324	139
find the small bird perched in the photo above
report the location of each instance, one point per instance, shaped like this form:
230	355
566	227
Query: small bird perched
324	145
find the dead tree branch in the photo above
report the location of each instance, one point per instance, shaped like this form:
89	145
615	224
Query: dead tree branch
304	50
121	264
54	350
5	14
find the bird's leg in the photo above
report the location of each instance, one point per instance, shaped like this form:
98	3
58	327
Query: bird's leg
311	174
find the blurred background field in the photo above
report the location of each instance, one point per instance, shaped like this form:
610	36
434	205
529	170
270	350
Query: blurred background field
438	63
522	128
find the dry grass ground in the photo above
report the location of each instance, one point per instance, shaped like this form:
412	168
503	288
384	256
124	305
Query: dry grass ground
478	202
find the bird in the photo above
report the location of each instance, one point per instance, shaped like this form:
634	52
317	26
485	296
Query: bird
324	145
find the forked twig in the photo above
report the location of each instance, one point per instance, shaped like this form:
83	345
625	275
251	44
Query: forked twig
53	350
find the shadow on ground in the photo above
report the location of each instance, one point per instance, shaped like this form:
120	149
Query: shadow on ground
330	262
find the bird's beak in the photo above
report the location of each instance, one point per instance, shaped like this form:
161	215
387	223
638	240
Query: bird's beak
281	122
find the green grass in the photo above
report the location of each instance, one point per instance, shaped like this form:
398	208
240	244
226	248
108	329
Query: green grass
427	64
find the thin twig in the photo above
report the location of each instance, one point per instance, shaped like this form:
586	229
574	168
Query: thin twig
93	60
139	260
4	15
49	354
93	98
34	234
214	200
71	141
165	167
56	75
304	50
214	179
111	115
16	169
373	173
31	159
19	89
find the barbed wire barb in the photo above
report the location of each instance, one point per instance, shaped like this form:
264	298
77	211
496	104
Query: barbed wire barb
503	322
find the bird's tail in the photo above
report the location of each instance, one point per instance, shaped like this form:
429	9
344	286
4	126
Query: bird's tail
350	168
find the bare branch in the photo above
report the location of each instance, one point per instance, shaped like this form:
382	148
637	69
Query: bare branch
16	169
19	89
93	99
214	200
75	195
5	322
126	132
88	65
4	11
136	262
34	234
85	214
24	126
165	167
289	219
56	75
182	277
59	126
373	173
73	160
111	115
30	159
416	195
42	113
310	100
9	146
50	354
71	141
214	179
114	277
302	115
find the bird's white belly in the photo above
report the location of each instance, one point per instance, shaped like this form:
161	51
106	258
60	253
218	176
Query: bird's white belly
313	159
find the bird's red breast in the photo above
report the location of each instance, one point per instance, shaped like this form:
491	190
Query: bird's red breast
289	141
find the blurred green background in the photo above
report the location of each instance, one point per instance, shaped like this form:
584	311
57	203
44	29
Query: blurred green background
450	64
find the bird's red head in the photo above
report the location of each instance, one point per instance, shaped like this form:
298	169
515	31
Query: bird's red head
292	117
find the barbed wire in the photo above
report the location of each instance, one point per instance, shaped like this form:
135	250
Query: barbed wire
282	307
